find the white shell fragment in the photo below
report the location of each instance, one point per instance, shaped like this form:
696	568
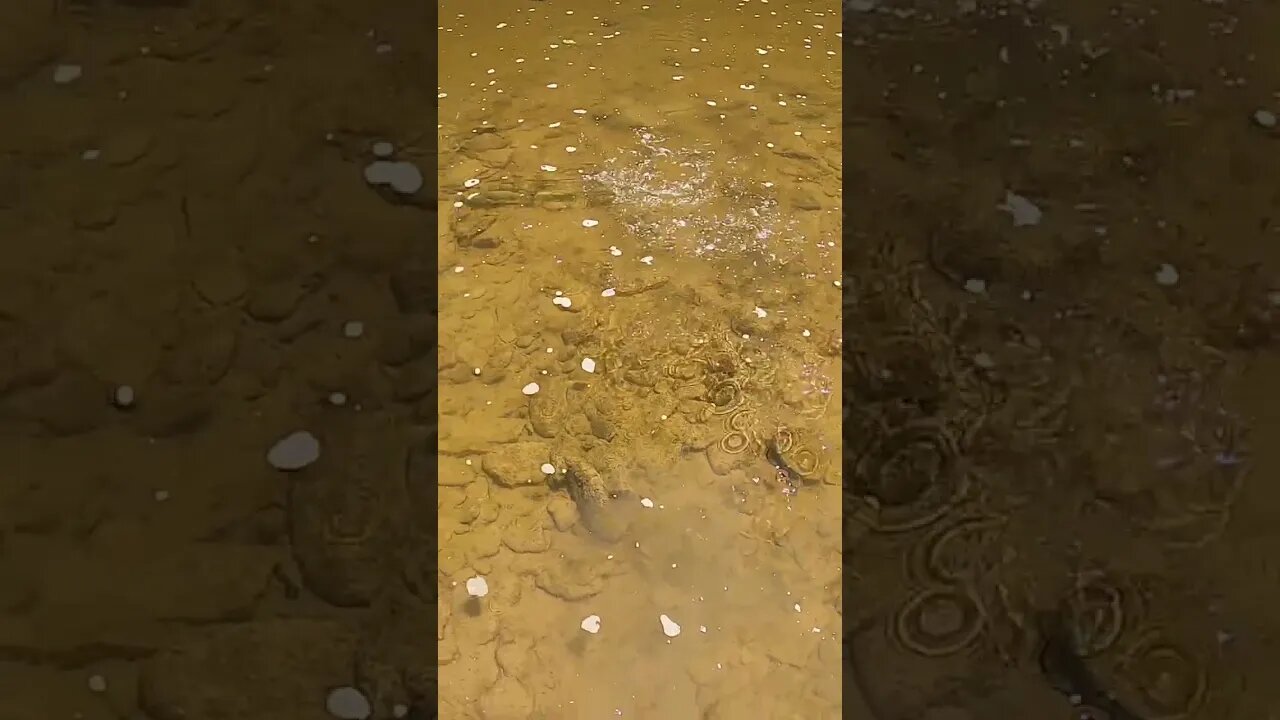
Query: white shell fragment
403	177
294	452
1024	211
591	624
477	587
588	365
670	627
348	703
530	389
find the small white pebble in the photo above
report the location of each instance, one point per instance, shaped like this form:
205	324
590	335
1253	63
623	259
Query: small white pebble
647	259
562	301
471	182
588	365
337	399
348	703
590	223
591	624
702	628
1265	118
353	329
670	627
761	312
646	502
614	251
548	469
796	607
549	168
97	683
383	149
608	292
1167	275
530	389
477	587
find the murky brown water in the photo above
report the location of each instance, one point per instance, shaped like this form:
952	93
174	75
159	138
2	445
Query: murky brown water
1061	321
639	360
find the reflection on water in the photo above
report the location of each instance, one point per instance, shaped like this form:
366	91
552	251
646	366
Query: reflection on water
639	346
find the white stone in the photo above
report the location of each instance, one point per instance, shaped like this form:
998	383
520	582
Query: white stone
337	399
646	502
562	301
588	365
761	312
590	223
647	259
348	703
353	329
294	452
670	627
471	182
530	389
1265	118
477	587
608	292
591	624
548	469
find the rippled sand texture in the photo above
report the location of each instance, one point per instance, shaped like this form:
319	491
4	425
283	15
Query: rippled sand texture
639	213
1061	374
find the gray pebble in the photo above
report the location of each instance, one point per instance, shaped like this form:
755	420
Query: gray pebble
353	329
1167	275
123	397
383	149
1265	118
403	177
337	399
64	74
294	451
348	703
